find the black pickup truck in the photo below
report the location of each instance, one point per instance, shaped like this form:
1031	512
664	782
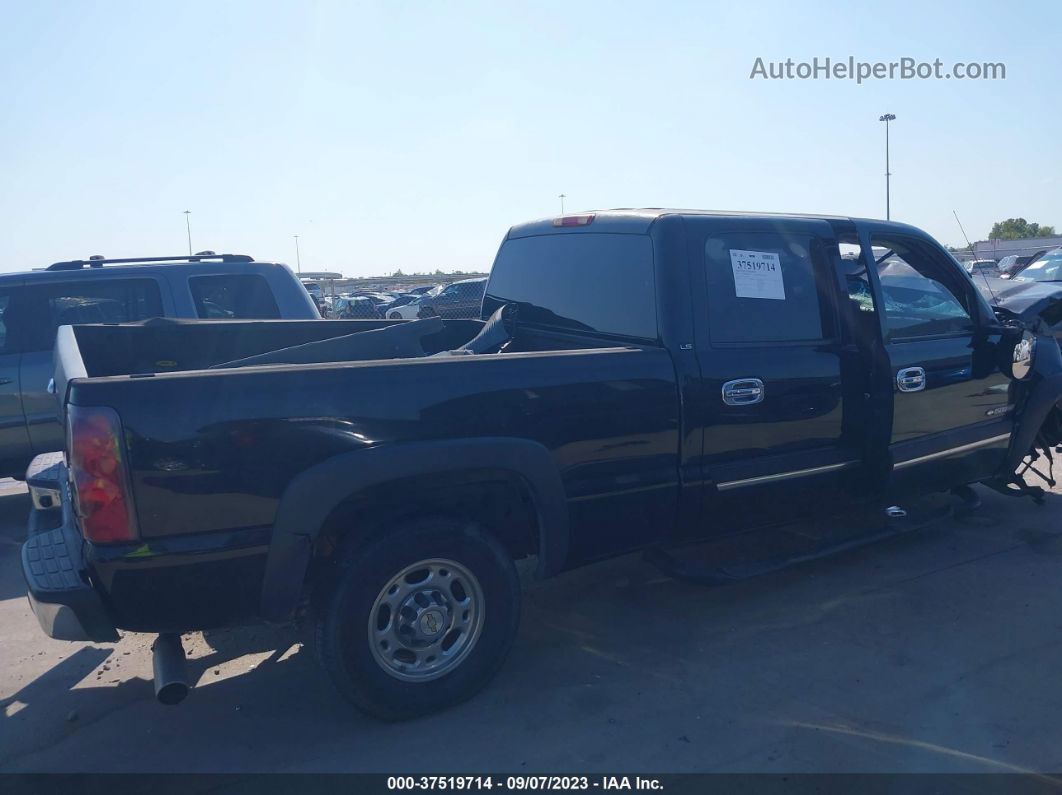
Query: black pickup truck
642	379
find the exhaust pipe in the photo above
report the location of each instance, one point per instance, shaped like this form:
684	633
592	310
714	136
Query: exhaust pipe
171	673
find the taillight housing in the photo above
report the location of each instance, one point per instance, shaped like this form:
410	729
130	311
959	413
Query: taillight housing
98	475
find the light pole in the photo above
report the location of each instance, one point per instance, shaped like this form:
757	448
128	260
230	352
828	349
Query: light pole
188	228
887	118
562	197
298	259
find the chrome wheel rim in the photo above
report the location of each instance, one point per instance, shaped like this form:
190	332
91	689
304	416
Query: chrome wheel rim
426	620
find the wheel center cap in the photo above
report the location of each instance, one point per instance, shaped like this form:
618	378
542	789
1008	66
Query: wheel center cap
431	622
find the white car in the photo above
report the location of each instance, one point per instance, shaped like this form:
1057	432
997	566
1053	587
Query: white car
409	311
989	267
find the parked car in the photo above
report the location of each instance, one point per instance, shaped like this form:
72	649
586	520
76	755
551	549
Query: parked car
34	304
640	380
461	299
397	300
1035	290
377	299
357	307
983	267
411	310
1047	268
1010	265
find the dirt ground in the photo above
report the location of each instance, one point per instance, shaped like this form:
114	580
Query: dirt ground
935	651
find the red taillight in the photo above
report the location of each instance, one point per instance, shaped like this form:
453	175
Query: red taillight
94	445
574	220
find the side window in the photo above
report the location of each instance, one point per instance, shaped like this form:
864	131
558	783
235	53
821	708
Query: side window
766	287
233	297
49	306
924	296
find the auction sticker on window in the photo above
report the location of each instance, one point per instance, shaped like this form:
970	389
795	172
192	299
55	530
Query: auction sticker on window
757	274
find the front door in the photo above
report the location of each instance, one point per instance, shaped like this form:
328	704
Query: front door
951	413
781	386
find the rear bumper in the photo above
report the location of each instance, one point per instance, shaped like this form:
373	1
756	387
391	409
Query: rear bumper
60	591
65	603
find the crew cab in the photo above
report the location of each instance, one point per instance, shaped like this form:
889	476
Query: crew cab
33	305
640	379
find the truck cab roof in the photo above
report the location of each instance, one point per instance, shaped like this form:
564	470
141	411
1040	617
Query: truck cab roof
638	221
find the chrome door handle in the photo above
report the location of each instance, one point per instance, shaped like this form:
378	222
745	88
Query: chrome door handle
911	379
743	392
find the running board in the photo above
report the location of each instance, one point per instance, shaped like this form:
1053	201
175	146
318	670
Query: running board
701	572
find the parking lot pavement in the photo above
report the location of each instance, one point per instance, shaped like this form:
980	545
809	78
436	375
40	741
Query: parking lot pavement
936	651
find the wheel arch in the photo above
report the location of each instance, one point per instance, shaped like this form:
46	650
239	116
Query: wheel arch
315	494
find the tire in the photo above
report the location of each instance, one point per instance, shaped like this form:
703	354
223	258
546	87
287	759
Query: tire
370	663
395	316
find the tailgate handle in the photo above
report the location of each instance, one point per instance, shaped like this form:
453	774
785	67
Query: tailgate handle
743	392
911	379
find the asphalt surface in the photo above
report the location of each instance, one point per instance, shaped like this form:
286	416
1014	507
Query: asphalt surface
937	651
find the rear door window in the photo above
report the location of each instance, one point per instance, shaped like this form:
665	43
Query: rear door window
233	297
766	287
49	306
590	282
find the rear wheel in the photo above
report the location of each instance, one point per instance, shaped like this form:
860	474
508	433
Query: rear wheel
420	619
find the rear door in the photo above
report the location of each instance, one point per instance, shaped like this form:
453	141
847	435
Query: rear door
951	407
50	304
781	388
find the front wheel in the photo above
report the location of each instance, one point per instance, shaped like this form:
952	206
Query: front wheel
420	619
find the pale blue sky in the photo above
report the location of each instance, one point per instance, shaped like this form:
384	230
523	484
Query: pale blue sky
414	134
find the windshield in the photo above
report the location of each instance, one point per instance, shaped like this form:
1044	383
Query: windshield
1045	269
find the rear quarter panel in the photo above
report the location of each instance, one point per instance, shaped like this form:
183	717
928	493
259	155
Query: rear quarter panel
215	451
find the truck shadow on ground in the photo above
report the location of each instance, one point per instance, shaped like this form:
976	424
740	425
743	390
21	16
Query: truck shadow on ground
597	648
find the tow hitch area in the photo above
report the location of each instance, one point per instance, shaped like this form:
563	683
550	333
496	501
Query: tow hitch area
171	670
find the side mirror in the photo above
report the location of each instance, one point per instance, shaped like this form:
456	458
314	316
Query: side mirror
1023	357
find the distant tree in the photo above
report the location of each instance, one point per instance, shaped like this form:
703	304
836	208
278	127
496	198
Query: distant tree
1019	229
397	273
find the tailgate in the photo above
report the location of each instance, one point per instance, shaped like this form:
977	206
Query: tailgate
68	366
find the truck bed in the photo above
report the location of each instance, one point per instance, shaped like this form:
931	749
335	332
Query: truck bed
213	449
166	346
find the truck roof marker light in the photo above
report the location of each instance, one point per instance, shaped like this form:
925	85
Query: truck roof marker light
574	220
